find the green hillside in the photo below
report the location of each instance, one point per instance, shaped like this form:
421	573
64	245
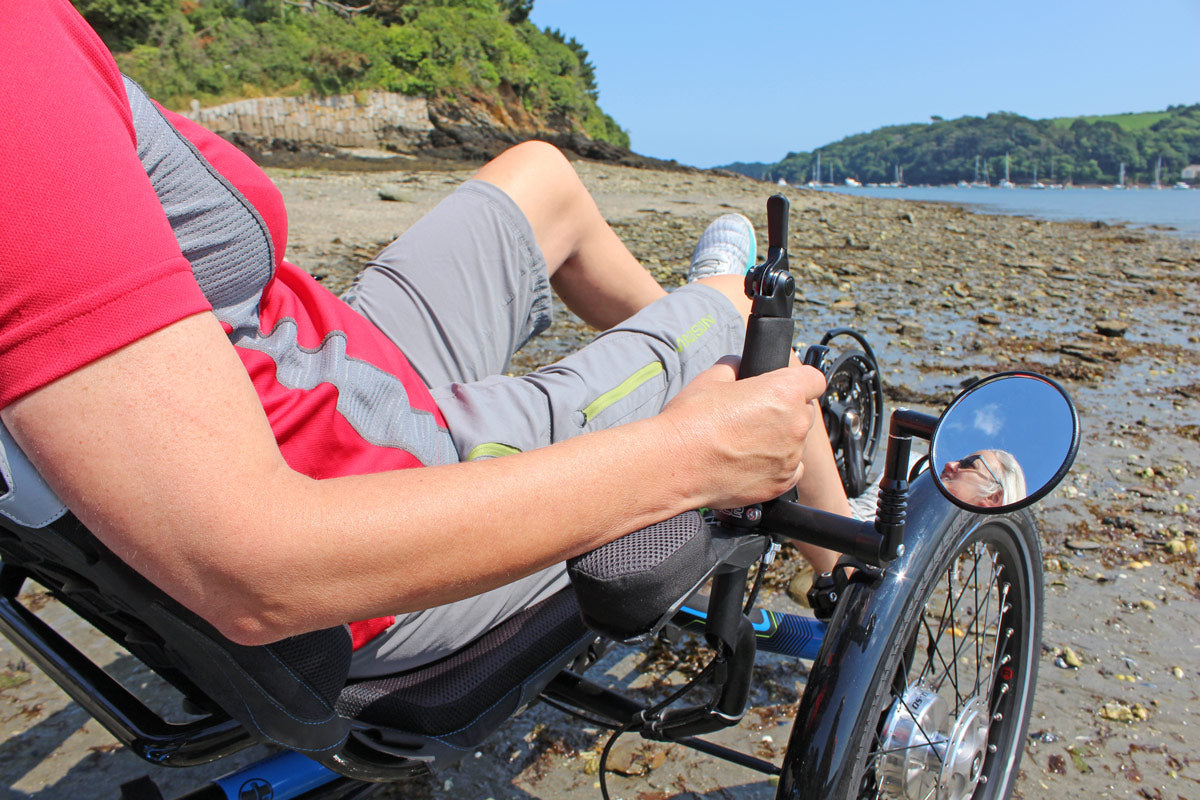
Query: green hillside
1068	150
1127	122
219	50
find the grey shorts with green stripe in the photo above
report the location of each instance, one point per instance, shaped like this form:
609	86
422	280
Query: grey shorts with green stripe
626	373
460	292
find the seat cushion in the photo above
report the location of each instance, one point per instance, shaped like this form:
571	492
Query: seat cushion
483	683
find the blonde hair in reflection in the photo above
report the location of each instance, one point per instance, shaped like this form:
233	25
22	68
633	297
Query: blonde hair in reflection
1012	477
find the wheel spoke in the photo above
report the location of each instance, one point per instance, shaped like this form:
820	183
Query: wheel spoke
975	627
955	648
931	645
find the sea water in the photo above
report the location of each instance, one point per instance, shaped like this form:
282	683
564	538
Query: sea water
1173	211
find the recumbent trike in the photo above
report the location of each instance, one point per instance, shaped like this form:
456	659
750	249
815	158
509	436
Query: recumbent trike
924	640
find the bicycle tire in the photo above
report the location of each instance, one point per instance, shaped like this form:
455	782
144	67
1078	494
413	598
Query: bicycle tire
849	737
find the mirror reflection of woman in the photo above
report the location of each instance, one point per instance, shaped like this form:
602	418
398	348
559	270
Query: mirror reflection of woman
986	478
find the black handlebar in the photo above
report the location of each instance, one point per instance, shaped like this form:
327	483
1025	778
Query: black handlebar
772	289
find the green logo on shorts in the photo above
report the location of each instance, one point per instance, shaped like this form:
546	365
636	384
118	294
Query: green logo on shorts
693	334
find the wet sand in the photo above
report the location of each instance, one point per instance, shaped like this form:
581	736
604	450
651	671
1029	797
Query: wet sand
944	295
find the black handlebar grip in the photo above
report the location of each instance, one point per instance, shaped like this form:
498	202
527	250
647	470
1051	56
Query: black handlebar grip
768	345
777	221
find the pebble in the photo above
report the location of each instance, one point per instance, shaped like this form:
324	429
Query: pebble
1112	328
1118	711
1083	544
1067	658
394	194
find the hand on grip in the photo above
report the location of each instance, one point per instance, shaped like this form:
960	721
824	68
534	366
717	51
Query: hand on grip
741	441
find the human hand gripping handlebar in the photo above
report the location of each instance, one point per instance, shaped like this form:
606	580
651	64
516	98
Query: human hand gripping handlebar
768	346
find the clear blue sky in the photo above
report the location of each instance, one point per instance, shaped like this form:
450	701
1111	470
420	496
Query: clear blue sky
709	82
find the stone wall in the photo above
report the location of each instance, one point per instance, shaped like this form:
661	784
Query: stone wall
368	119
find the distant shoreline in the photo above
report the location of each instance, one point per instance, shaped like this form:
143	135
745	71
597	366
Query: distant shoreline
1169	211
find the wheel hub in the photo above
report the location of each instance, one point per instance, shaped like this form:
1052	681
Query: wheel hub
928	753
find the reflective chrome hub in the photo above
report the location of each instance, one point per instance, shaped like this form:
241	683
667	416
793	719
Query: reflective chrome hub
929	754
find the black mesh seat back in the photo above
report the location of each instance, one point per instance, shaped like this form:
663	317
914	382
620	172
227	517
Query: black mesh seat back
283	692
630	587
463	697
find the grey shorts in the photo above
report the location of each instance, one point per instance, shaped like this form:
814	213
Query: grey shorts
459	293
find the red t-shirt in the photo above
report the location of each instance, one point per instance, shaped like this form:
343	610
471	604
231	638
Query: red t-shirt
90	262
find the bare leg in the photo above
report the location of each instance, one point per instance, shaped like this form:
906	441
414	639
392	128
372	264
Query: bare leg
600	280
821	487
590	267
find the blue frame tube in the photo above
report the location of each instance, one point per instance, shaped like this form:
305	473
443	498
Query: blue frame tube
775	632
283	776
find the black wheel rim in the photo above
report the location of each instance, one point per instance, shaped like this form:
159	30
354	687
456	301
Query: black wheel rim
973	646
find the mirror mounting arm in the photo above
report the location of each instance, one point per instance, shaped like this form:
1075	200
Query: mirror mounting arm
892	509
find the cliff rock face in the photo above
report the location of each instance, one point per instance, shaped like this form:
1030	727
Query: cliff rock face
373	119
471	127
463	127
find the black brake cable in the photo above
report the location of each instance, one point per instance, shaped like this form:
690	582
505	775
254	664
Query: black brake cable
641	716
588	718
758	580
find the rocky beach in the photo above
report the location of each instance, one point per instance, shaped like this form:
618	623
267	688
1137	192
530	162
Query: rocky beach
945	296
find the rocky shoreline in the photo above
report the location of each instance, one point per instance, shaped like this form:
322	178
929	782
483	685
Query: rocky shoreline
945	296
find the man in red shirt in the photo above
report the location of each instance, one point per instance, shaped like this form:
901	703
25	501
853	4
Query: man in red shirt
242	437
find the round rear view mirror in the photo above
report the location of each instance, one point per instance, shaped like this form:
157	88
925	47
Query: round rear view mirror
1004	443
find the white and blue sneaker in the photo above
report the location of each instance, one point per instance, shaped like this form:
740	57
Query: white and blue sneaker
727	247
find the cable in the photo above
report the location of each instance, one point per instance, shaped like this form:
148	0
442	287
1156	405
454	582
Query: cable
599	723
646	714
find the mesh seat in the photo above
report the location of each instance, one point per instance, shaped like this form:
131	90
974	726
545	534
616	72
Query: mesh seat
629	588
453	699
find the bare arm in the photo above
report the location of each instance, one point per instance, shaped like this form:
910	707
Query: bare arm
163	450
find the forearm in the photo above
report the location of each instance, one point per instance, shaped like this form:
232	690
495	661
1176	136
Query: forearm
365	546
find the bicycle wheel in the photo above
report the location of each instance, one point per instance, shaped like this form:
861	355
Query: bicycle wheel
924	683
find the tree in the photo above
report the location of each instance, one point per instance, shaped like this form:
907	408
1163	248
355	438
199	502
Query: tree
124	23
518	10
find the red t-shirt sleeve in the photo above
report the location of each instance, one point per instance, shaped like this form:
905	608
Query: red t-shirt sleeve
88	262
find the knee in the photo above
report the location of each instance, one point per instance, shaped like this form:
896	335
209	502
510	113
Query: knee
539	156
535	172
